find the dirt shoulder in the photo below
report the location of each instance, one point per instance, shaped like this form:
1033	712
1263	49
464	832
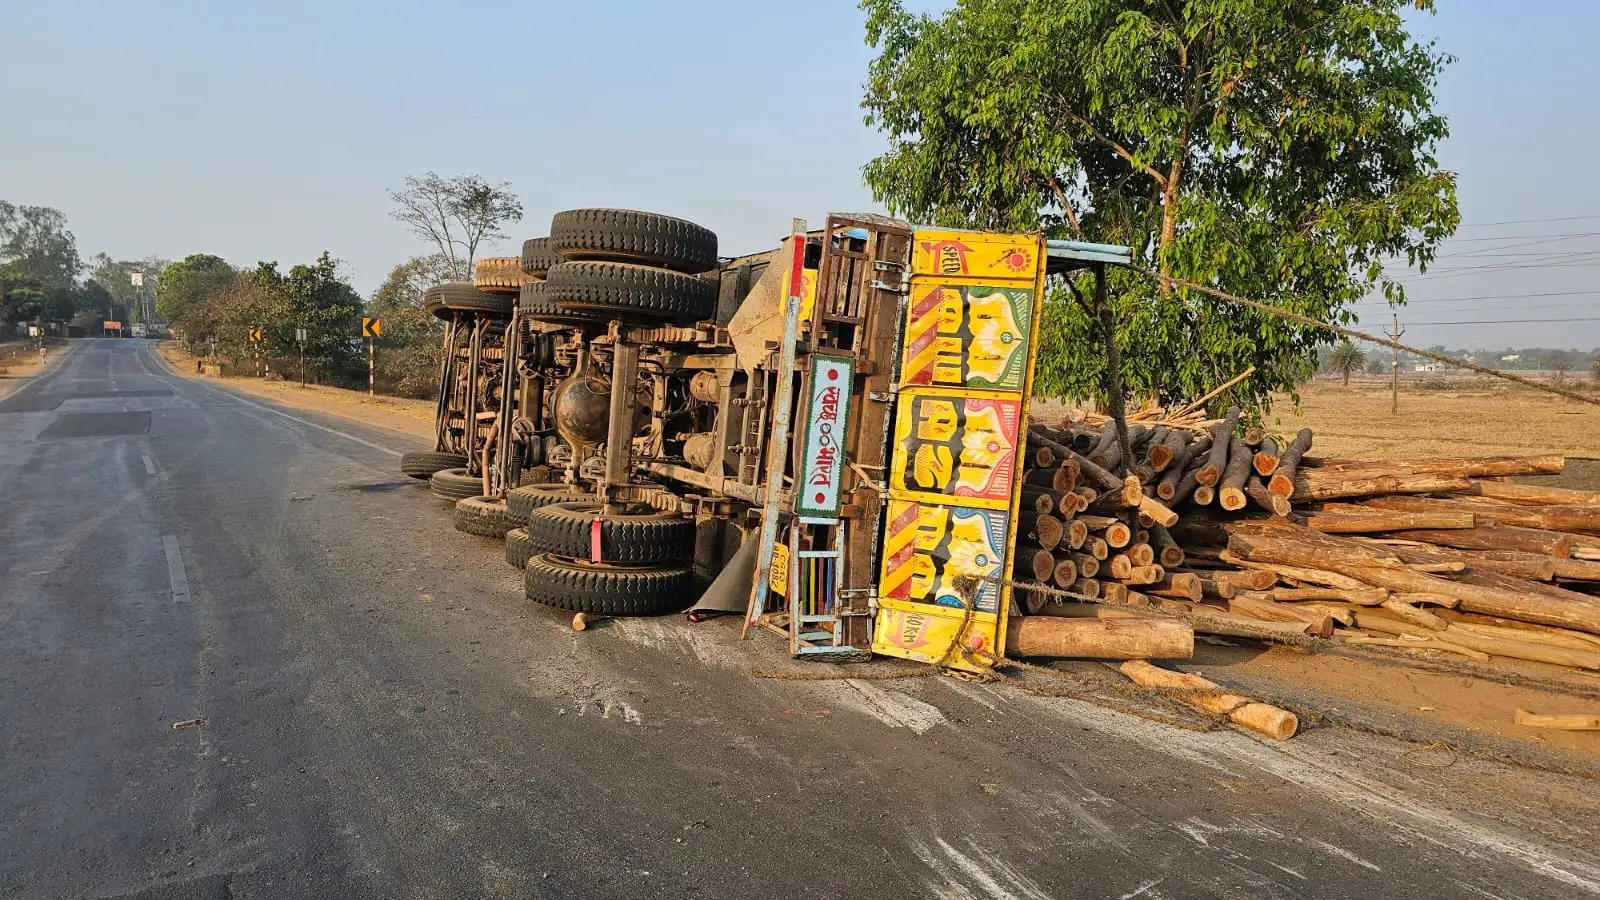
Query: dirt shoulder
413	417
19	362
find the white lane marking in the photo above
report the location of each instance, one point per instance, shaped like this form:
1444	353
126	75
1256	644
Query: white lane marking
237	399
175	570
149	464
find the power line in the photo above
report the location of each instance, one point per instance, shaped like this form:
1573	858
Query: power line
1486	297
1504	321
1527	221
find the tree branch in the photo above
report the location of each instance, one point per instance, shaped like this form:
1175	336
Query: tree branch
1118	148
1061	197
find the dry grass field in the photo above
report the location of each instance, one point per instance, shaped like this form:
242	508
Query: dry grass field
1465	418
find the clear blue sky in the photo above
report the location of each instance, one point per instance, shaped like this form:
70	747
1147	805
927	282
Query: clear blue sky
273	131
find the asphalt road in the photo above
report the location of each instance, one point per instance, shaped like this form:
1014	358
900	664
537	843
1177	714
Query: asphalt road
385	716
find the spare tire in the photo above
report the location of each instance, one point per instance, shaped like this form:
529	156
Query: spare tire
499	274
635	538
537	257
485	516
461	296
625	235
522	501
518	548
535	304
423	463
603	590
626	290
455	484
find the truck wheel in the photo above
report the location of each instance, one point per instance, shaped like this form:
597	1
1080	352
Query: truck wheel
522	501
606	590
535	304
454	484
461	296
423	463
537	257
499	274
518	547
637	538
484	516
628	290
625	235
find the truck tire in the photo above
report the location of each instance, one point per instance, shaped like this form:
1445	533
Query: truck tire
423	463
625	235
518	548
522	501
535	304
627	290
461	296
642	538
604	590
455	484
537	257
484	516
499	274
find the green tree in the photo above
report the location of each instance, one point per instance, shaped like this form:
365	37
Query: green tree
456	214
1559	362
409	351
1278	149
1376	365
39	259
1346	358
185	293
314	297
117	278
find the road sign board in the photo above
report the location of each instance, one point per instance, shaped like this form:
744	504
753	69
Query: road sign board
300	335
255	334
137	278
112	325
371	327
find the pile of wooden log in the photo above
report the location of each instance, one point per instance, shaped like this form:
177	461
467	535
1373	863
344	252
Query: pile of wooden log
1247	534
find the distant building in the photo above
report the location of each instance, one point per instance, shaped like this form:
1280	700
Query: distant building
1511	357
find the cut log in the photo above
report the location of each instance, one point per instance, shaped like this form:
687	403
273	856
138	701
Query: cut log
1057	479
1202	494
1533	634
1246	580
1083	638
1533	566
1549	518
1231	494
1077	533
1142	575
1573	570
1115	531
1043	531
1043	502
1097	548
1087	587
1497	646
1265	459
1493	537
1088	566
1039	565
1414	615
1221	441
1271	721
1180	585
1167	487
1158	513
1141	554
1282	482
1371	521
1477	467
1253	436
1332	484
1216	590
1065	574
1168	552
1096	476
1260	606
1362	597
1533	494
1256	490
1119	566
1286	546
1163	447
1112	592
1418	642
1560	721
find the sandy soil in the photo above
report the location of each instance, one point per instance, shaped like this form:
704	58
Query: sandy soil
414	417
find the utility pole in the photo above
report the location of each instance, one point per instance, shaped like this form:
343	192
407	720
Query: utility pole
1394	379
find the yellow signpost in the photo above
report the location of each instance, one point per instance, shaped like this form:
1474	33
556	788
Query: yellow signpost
371	328
966	370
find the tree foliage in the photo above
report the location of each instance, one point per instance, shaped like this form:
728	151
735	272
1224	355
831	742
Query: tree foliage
456	214
185	295
1282	150
409	351
116	277
39	263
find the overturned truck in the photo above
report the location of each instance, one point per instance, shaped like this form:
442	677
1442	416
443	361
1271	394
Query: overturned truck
824	437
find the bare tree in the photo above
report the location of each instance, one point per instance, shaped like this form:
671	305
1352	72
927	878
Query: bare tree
457	214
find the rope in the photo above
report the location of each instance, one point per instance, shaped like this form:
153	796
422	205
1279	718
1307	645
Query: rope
1362	336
